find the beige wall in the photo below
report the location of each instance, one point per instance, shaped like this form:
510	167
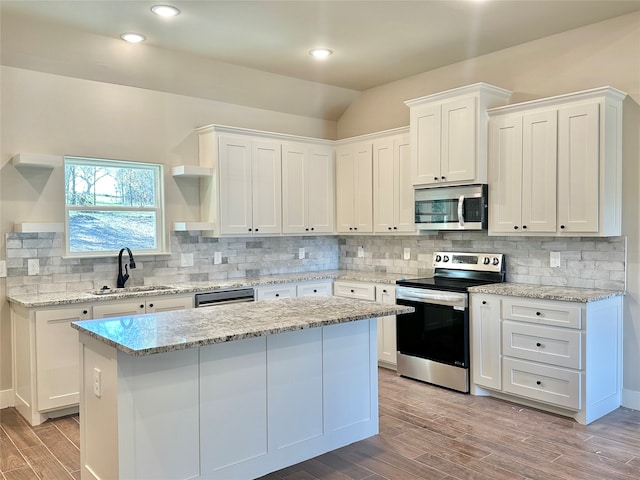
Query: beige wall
44	113
606	53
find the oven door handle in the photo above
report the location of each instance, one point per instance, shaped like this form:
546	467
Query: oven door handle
450	300
461	211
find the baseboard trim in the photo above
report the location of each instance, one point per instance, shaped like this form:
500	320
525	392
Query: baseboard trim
631	399
7	398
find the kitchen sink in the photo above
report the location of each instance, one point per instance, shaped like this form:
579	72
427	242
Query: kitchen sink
137	289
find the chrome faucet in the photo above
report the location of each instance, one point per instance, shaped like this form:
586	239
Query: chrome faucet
123	278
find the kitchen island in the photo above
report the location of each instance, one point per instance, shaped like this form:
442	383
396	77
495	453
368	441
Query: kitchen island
230	392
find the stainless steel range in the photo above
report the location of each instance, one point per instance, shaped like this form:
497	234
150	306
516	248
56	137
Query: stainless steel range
433	342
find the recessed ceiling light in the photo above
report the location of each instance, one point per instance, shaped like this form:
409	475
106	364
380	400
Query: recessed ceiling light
165	10
320	52
132	37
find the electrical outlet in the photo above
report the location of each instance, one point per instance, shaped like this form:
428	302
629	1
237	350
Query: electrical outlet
217	258
97	382
360	252
186	260
407	253
3	268
33	266
301	253
554	259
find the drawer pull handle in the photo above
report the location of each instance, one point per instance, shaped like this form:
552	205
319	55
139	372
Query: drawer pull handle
538	382
538	313
277	294
151	305
141	306
484	302
538	344
352	291
315	290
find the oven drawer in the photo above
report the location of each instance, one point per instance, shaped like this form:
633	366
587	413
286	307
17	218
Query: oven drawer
361	291
556	346
558	386
542	312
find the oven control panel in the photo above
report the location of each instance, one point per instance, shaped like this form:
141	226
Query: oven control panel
488	262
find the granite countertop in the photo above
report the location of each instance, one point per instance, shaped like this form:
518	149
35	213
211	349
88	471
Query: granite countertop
545	292
68	298
147	334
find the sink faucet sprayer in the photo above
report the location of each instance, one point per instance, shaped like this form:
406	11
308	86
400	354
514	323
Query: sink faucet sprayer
123	278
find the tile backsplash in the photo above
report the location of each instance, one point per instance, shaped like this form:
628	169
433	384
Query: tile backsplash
584	262
241	257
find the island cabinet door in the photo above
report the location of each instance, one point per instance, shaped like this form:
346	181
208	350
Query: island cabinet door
233	405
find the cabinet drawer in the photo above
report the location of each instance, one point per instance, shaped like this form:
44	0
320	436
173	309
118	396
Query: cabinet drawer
546	313
315	288
362	291
274	293
543	383
556	346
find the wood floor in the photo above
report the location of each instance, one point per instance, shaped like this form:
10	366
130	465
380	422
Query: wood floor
425	433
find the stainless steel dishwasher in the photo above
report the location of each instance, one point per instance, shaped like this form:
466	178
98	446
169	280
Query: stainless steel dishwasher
224	297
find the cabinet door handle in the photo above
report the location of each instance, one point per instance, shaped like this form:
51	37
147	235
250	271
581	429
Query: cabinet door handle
306	229
315	290
443	177
355	228
388	228
538	382
435	178
538	344
256	230
84	312
249	229
538	314
151	305
312	229
350	228
524	226
395	228
484	302
562	227
352	291
141	306
277	294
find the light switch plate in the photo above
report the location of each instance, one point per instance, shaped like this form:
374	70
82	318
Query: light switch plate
3	268
360	252
217	258
33	266
186	260
301	253
407	253
554	259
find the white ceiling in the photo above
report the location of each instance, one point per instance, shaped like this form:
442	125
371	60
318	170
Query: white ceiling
375	42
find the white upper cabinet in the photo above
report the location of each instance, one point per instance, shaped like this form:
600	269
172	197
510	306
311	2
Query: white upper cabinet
250	192
250	180
449	134
307	189
354	188
393	207
522	173
555	166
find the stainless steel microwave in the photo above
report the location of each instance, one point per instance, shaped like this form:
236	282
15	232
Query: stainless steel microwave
452	208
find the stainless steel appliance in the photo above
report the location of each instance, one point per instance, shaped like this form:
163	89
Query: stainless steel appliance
433	342
220	297
451	208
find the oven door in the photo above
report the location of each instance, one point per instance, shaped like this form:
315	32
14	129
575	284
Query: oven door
433	342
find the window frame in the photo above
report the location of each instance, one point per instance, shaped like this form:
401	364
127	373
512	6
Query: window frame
158	208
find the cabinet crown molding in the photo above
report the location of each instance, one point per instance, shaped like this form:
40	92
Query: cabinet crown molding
476	88
373	136
557	100
283	137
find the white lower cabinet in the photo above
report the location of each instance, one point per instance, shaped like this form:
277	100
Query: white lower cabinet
565	357
46	360
141	305
46	351
323	287
275	292
381	293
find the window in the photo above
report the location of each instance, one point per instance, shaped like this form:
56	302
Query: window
111	204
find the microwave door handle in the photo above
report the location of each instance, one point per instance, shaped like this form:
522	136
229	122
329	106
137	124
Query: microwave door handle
461	211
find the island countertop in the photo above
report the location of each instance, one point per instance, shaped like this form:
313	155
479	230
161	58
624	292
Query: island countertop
151	333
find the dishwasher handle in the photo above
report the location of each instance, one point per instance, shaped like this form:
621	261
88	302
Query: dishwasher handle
224	297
